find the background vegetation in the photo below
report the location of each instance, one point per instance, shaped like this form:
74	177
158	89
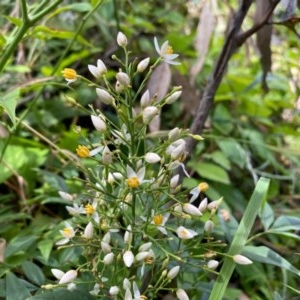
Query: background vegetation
252	129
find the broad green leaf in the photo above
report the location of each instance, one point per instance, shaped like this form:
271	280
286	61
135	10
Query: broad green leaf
15	290
285	223
233	150
219	158
284	233
240	238
16	21
212	172
266	255
2	40
45	246
266	215
33	273
9	103
18	244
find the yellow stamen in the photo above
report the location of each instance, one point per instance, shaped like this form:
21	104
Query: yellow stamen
69	74
158	219
203	186
169	50
133	182
89	209
82	151
67	231
149	259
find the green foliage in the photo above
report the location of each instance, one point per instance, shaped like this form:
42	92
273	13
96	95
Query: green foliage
249	134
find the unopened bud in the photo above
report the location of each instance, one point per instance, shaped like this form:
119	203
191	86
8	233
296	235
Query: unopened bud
143	65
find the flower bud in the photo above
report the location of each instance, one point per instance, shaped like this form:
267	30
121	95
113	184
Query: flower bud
128	235
173	272
98	123
65	196
141	255
68	277
106	156
174	181
121	39
242	260
152	158
145	247
114	290
209	226
178	151
212	264
182	295
145	100
128	258
191	209
104	96
174	134
98	71
203	205
108	258
106	248
149	113
171	99
123	78
88	231
143	65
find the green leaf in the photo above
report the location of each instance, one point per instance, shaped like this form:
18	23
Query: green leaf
240	238
219	158
9	103
33	273
233	150
285	223
45	247
211	172
20	244
15	290
222	119
266	255
266	215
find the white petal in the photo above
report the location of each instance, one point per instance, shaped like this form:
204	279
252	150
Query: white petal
185	233
68	277
57	273
182	295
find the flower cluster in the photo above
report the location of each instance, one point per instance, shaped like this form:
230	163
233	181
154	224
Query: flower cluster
135	227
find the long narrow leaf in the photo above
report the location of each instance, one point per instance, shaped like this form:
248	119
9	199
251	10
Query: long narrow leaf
241	236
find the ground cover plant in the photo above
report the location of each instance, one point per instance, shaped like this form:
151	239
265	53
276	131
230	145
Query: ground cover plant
149	150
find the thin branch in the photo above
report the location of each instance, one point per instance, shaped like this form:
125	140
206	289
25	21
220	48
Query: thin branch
233	41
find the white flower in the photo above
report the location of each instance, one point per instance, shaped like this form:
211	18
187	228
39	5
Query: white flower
191	209
242	260
171	99
65	196
173	272
123	78
91	210
88	231
121	136
178	144
185	234
99	70
75	210
152	158
68	233
160	221
128	258
201	187
104	96
143	64
182	295
212	264
121	39
63	277
135	178
149	113
166	52
145	99
108	258
114	290
95	290
98	123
